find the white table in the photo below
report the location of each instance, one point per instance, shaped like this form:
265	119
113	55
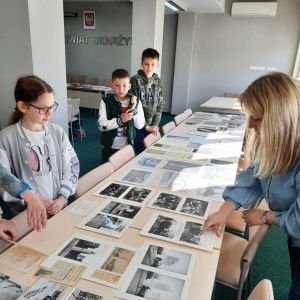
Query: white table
221	104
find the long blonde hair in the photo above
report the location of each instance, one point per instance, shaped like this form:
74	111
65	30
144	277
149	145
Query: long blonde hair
276	98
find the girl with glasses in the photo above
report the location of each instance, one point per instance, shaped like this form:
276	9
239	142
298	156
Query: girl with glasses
37	152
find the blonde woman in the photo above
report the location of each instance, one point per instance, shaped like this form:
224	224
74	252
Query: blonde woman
272	104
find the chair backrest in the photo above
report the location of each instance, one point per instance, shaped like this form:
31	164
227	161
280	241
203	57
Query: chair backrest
122	157
68	78
188	112
168	127
107	82
92	178
75	106
231	95
151	139
91	80
69	112
263	291
179	119
79	79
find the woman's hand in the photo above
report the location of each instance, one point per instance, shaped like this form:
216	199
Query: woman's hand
8	230
35	210
253	216
56	206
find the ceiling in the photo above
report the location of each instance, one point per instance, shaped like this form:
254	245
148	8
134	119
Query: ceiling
200	6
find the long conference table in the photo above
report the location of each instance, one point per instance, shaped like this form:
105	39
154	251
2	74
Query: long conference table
222	105
62	226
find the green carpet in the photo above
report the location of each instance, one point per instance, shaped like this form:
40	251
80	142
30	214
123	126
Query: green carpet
271	260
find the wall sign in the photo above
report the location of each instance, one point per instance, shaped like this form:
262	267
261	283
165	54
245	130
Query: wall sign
99	40
89	20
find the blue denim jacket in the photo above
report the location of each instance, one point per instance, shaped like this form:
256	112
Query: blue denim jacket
280	192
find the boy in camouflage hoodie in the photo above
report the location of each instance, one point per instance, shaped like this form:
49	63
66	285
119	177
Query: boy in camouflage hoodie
146	85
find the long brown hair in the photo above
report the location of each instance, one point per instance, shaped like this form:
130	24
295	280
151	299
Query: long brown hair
276	99
28	89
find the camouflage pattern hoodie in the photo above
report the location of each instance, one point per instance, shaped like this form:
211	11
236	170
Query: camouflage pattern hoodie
149	91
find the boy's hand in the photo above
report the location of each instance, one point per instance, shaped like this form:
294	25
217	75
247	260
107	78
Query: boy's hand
8	230
46	201
127	116
56	206
152	129
133	102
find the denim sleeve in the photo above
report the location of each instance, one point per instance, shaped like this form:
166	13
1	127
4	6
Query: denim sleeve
289	220
246	190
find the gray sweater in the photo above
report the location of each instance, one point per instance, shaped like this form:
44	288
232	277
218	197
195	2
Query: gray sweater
14	155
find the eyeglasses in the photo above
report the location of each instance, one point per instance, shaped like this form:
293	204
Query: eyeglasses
45	109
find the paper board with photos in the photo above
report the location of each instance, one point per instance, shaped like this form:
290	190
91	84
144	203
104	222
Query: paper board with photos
136	176
191	206
182	166
77	294
44	290
164	273
126	192
107	224
107	262
10	288
179	230
150	162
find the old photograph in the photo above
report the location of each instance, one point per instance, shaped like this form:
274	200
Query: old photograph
197	158
220	162
148	161
112	190
138	194
151	285
175	154
45	290
84	251
159	145
175	181
182	166
118	260
137	176
77	294
155	152
195	207
164	226
211	190
121	209
11	289
166	201
165	258
223	173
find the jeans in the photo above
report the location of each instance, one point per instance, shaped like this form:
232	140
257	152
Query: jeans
107	155
138	141
295	269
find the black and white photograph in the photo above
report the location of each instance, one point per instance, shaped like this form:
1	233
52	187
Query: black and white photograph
156	152
175	181
182	166
121	209
167	201
220	162
175	154
138	194
178	138
223	173
159	145
165	258
197	158
151	285
84	251
195	207
164	226
212	190
148	161
113	190
137	176
45	290
107	223
192	233
203	152
77	294
11	289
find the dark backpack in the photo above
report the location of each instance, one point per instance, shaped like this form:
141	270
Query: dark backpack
77	130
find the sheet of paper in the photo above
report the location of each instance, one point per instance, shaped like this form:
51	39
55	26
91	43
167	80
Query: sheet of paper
182	166
191	206
83	208
11	289
179	230
136	176
162	272
125	192
107	262
82	295
22	258
44	289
